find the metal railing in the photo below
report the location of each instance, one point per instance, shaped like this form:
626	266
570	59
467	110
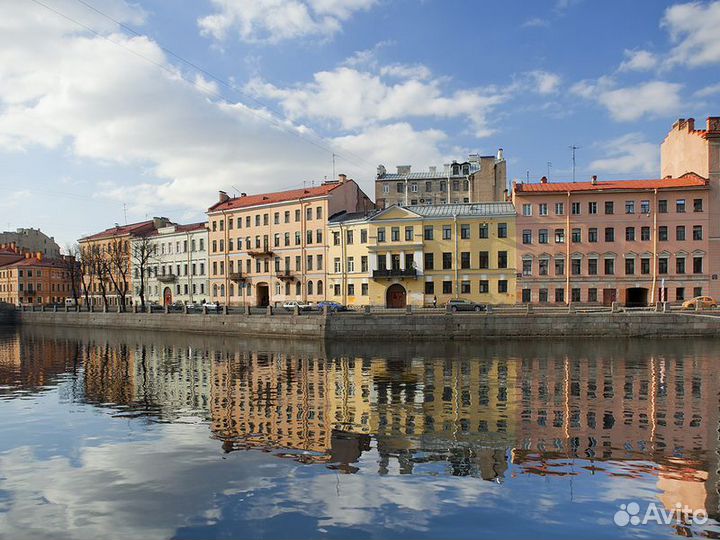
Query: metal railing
395	272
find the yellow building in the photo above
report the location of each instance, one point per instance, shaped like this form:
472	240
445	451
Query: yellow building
415	254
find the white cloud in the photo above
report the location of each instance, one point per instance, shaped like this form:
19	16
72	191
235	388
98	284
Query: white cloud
535	22
356	99
694	29
639	60
629	154
632	102
277	20
545	82
708	91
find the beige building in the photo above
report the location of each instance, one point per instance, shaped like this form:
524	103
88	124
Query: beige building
271	248
479	179
33	240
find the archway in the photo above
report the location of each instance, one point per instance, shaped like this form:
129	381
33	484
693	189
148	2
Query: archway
167	296
262	292
396	296
636	297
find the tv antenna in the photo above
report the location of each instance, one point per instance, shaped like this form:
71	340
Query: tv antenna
125	212
573	148
333	157
549	166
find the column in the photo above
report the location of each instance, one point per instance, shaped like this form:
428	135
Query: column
402	260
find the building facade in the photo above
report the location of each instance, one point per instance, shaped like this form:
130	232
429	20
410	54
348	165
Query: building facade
176	265
34	279
417	255
479	179
636	242
107	261
271	248
689	150
33	240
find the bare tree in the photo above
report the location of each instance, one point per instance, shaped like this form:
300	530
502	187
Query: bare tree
100	270
143	253
73	268
118	261
86	273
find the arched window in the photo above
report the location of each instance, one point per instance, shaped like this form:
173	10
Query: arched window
215	289
232	290
310	287
320	286
287	288
222	291
298	289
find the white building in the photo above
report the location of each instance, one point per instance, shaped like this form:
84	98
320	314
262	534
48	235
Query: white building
177	269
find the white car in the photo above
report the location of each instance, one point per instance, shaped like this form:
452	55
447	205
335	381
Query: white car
302	306
211	305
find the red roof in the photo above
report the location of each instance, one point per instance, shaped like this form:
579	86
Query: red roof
689	180
276	197
190	227
45	263
121	230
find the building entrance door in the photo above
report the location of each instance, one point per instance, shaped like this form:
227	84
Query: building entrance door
167	297
636	297
263	294
609	296
396	297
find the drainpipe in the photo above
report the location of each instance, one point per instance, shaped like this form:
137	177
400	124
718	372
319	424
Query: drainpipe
469	191
189	265
343	264
303	249
406	191
655	240
457	260
568	264
226	277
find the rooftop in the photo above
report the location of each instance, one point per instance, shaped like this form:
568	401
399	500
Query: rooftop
343	217
469	209
274	197
122	230
689	180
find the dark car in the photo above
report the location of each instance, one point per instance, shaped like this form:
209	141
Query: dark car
464	305
332	306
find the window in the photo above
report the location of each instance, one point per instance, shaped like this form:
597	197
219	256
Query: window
363	236
680	232
527	236
543	209
527	209
559	209
429	262
575	295
465	231
609	267
413	187
429	287
502	259
697	232
526	296
575	209
381	234
577	235
630	234
351	264
386	188
447	232
559	267
502	230
592	267
502	285
592	234
319	259
400	187
349	237
645	234
662	233
559	295
428	232
697	266
592	207
447	287
428	187
394	234
697	205
680	206
543	236
336	290
363	263
483	230
484	260
559	236
542	295
680	293
410	234
609	234
484	286
609	207
629	267
297	215
287	216
645	207
680	265
465	260
447	260
697	291
527	267
592	295
576	267
662	265
337	265
644	265
543	266
662	206
629	207
464	287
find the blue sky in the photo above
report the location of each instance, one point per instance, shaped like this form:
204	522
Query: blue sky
97	122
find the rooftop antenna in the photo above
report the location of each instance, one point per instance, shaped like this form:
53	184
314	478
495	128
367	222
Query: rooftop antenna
573	148
527	175
333	156
125	212
549	166
236	189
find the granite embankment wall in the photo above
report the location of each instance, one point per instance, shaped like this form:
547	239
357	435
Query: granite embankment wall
7	316
400	326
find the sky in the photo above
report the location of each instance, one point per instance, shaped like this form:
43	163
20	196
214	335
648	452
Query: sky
115	111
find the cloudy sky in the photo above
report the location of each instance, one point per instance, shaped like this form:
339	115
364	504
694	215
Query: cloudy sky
115	108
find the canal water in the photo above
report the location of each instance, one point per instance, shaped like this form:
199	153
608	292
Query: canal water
145	435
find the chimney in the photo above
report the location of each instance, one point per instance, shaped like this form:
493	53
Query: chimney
381	170
691	124
223	197
594	180
243	194
159	222
39	256
543	180
342	178
500	154
713	123
432	169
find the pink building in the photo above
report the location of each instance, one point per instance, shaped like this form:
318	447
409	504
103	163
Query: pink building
635	241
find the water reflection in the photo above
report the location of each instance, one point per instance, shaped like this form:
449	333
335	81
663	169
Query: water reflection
498	413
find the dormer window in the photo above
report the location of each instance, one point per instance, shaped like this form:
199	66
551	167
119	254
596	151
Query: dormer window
466	169
455	169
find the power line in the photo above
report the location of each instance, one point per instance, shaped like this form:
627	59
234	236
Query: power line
207	88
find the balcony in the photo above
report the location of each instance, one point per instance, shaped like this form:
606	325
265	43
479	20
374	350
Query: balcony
167	278
237	277
285	275
263	251
390	273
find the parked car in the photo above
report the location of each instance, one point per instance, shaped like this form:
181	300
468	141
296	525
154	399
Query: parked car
464	305
212	306
302	306
332	306
703	301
